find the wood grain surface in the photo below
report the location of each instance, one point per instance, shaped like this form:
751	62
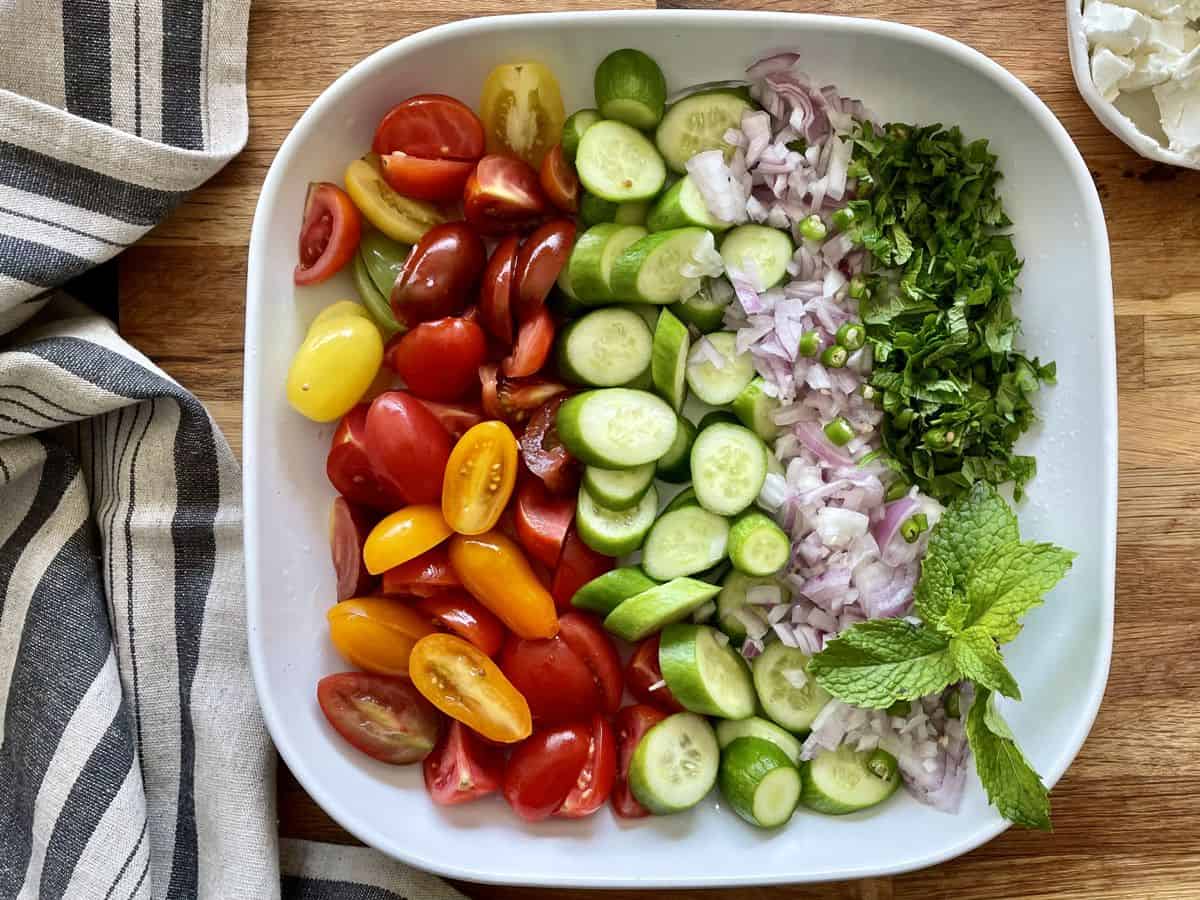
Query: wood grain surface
1128	811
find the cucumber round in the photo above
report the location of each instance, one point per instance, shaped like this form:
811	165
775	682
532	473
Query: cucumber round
590	265
757	546
616	428
649	611
605	348
719	385
759	782
705	676
733	597
630	88
729	466
668	362
697	123
593	210
838	782
573	129
618	163
793	708
686	497
729	730
683	542
618	488
651	270
614	532
756	410
705	309
606	592
675	764
759	252
680	206
675	465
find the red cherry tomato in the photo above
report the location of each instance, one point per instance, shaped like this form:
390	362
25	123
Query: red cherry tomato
539	262
631	724
456	418
349	526
439	274
329	233
462	614
495	291
349	468
519	398
407	446
643	672
462	767
595	781
542	521
502	195
554	679
544	454
433	126
534	340
544	768
577	565
591	643
383	716
558	180
439	180
439	360
489	382
427	575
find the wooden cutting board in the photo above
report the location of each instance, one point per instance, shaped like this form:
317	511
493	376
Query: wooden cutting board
1128	811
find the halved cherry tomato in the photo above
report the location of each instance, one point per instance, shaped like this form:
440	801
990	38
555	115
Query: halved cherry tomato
382	716
349	468
480	476
519	398
492	567
439	275
535	337
522	110
466	617
595	781
440	180
631	724
489	391
539	262
591	643
349	526
427	575
329	233
577	565
376	634
544	454
433	126
542	521
552	677
643	672
559	181
407	446
495	291
404	535
462	767
460	680
402	219
456	418
543	770
439	360
502	195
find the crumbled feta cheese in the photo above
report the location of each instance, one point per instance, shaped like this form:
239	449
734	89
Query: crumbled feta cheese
1179	105
1172	35
1120	29
1108	70
1150	68
1168	10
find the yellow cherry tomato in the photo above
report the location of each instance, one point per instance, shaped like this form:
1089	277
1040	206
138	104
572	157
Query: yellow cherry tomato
400	218
339	310
376	634
334	366
480	476
403	535
522	111
492	567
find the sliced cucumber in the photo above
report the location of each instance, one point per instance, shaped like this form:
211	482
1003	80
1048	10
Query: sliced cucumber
593	210
651	270
719	385
776	670
590	265
757	546
704	675
675	764
759	781
614	532
697	123
606	592
681	206
577	123
715	575
618	488
631	213
630	88
684	541
729	466
675	465
563	301
733	598
686	497
377	304
619	163
616	428
643	614
759	252
756	410
717	417
606	348
705	309
647	311
837	782
668	364
730	730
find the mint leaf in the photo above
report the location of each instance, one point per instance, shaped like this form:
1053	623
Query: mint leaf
876	663
978	658
1009	582
1012	785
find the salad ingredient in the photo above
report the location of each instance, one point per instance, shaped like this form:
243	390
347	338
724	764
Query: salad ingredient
755	408
466	617
540	260
496	289
630	88
462	767
675	764
632	723
543	521
559	182
376	634
348	529
522	111
554	679
839	431
675	465
759	782
729	466
681	206
705	309
716	371
329	233
480	476
589	642
437	180
431	126
574	127
734	611
698	123
502	195
427	575
492	567
383	259
578	565
729	730
440	359
684	541
1012	785
400	218
534	340
335	365
760	252
618	489
544	769
439	274
644	677
705	675
375	302
841	781
407	446
789	696
616	428
614	532
757	546
590	266
404	535
456	418
544	453
349	467
654	608
595	781
668	366
606	348
605	592
652	270
382	716
618	163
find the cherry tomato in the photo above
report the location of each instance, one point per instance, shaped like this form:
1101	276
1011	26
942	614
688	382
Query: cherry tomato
534	340
349	469
479	479
643	672
382	716
407	446
439	275
539	262
631	724
462	767
427	575
349	526
376	634
519	398
329	233
502	195
552	677
440	180
402	219
591	643
433	126
495	291
522	110
461	681
336	363
544	769
577	565
492	567
466	617
456	418
544	454
542	521
439	360
404	535
489	382
595	781
558	180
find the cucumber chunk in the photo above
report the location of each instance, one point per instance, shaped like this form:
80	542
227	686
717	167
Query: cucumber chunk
606	592
631	213
837	782
616	428
651	270
757	546
759	252
776	671
618	488
686	497
705	309
590	265
630	88
719	385
717	417
643	614
606	348
729	466
668	364
593	210
675	764
729	730
707	677
675	465
756	410
683	542
682	205
614	532
759	781
697	123
733	598
619	163
573	129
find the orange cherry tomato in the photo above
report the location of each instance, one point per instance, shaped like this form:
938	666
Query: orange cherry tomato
376	634
492	567
460	680
403	535
479	478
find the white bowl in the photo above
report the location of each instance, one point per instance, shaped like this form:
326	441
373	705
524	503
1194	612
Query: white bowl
1061	660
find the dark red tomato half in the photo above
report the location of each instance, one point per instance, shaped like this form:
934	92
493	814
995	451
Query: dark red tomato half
539	262
596	778
643	672
456	418
544	454
592	644
632	723
496	288
439	360
543	521
535	337
577	565
329	233
503	195
462	614
438	180
544	768
349	468
407	446
349	526
439	275
432	126
520	398
558	181
489	391
382	716
555	681
427	575
462	767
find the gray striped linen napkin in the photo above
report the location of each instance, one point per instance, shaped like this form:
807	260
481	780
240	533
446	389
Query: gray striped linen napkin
133	759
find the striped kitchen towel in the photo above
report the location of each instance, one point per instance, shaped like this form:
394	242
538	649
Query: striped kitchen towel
133	759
